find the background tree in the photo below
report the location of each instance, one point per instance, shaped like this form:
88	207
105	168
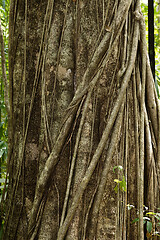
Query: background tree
153	14
82	100
4	13
151	35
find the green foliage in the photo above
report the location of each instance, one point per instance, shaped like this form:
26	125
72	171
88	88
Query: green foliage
120	184
4	12
130	206
149	217
4	15
119	167
148	220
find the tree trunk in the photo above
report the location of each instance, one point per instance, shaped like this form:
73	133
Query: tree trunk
82	101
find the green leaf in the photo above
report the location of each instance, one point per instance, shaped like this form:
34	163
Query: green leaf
150	213
146	218
117	180
135	220
1	152
130	206
123	186
157	215
149	226
2	180
146	208
157	233
116	188
157	87
119	167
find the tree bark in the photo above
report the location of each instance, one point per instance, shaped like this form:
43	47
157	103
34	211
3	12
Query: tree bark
82	101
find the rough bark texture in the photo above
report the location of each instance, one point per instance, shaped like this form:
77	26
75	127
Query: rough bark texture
82	101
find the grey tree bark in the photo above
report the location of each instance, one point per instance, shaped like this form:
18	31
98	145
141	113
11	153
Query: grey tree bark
82	100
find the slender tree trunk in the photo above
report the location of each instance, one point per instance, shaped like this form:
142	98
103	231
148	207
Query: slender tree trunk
82	101
151	35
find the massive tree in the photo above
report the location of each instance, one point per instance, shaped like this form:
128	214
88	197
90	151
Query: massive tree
82	101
